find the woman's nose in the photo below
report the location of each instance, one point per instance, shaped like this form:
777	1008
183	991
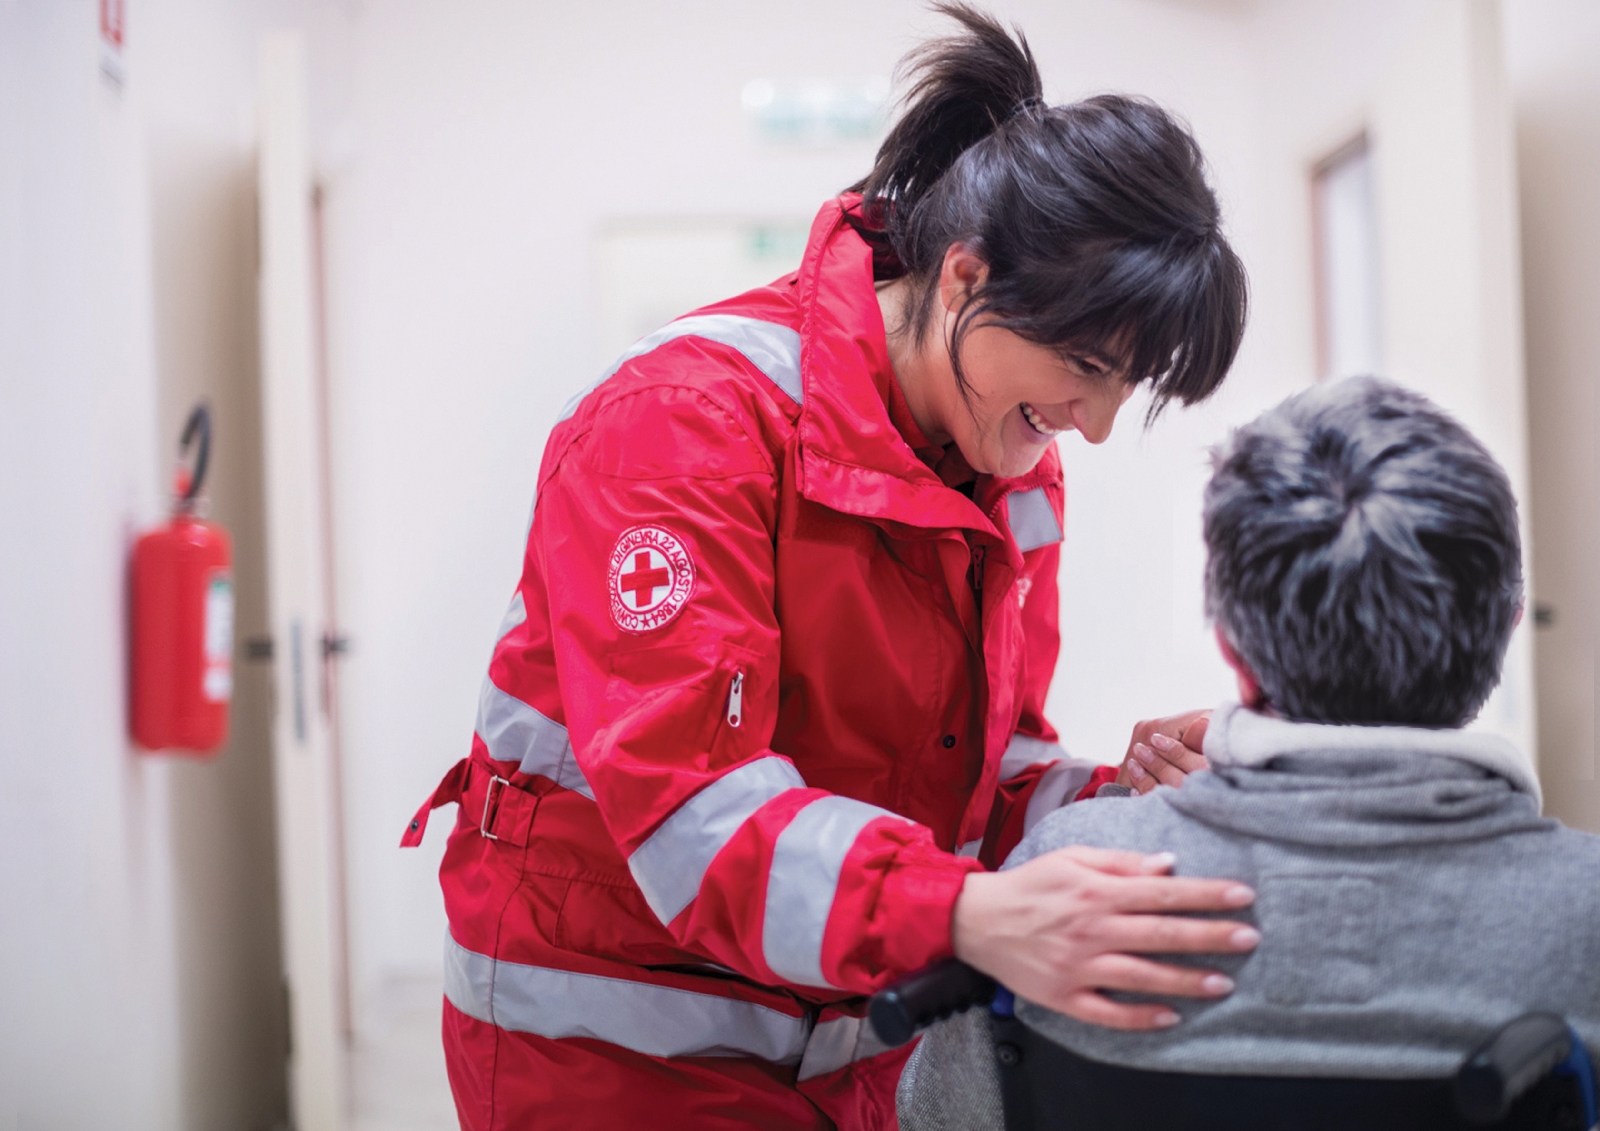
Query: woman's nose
1096	417
1101	413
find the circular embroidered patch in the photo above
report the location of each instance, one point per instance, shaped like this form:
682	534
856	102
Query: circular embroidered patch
650	578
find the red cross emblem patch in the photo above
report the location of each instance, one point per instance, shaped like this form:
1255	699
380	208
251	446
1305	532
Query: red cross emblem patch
650	578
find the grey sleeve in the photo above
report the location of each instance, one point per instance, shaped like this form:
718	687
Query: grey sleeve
951	1083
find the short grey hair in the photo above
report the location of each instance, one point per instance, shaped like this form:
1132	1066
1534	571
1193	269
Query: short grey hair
1363	557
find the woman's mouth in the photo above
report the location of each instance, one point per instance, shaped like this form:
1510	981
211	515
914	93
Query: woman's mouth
1038	423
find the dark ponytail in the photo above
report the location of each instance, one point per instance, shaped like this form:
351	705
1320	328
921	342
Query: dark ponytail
1095	219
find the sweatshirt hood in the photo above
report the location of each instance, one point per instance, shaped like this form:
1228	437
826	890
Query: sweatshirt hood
1322	784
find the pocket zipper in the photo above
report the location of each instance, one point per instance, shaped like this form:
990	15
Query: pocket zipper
736	699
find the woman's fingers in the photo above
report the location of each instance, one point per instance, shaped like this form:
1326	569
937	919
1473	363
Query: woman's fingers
1070	921
1096	1009
1140	779
1116	863
1156	767
1165	751
1173	725
1168	893
1194	735
1165	934
1142	976
1133	882
1177	754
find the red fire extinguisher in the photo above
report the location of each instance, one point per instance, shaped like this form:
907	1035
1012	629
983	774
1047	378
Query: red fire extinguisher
182	585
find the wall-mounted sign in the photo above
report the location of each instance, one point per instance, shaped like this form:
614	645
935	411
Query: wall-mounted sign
817	111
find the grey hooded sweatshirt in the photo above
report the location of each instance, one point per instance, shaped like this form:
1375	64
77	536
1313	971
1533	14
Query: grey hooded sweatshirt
1409	895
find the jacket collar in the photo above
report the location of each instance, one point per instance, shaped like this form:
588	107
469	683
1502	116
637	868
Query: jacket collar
852	457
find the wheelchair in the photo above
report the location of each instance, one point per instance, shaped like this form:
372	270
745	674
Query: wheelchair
1530	1074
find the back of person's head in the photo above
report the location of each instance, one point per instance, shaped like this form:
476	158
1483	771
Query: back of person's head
1100	233
1364	560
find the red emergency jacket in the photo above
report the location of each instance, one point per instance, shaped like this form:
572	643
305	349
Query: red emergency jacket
767	691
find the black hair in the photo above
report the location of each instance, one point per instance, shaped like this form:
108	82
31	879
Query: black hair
1100	233
1363	557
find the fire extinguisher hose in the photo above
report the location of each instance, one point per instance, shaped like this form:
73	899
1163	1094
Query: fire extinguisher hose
199	425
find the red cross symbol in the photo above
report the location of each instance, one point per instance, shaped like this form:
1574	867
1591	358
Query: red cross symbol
643	581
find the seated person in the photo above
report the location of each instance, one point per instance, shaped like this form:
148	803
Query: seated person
1364	576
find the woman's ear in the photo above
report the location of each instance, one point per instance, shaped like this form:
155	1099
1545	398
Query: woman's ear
1249	687
962	272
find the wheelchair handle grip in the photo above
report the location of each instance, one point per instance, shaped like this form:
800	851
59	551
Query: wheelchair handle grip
1505	1066
918	1000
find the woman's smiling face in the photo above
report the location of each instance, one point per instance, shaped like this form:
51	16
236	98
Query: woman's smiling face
1019	397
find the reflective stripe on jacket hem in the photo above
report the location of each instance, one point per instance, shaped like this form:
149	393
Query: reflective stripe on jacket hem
650	1019
670	865
839	1042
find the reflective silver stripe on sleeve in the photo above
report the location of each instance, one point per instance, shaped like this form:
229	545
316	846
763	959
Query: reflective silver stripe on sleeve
806	861
669	866
650	1019
515	732
771	348
515	615
1023	751
1058	785
1032	518
837	1043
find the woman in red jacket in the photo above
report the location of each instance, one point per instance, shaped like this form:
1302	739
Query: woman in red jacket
769	696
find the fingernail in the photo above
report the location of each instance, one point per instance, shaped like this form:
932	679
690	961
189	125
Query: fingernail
1244	938
1166	1019
1217	984
1143	753
1239	896
1162	743
1136	770
1159	862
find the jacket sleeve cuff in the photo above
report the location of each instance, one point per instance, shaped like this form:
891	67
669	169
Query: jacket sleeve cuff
907	912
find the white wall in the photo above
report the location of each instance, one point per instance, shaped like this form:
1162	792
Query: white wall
1553	50
141	982
87	942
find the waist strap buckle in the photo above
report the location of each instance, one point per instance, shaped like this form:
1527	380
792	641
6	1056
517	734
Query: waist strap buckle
489	796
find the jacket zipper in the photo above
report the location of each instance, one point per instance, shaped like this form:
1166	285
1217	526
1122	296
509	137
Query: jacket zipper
736	699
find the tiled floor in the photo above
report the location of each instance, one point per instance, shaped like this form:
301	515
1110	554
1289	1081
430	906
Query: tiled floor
397	1064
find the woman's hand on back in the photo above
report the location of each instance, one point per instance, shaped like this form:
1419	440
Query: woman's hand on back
1164	751
1066	925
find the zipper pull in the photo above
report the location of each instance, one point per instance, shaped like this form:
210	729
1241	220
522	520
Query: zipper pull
736	699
